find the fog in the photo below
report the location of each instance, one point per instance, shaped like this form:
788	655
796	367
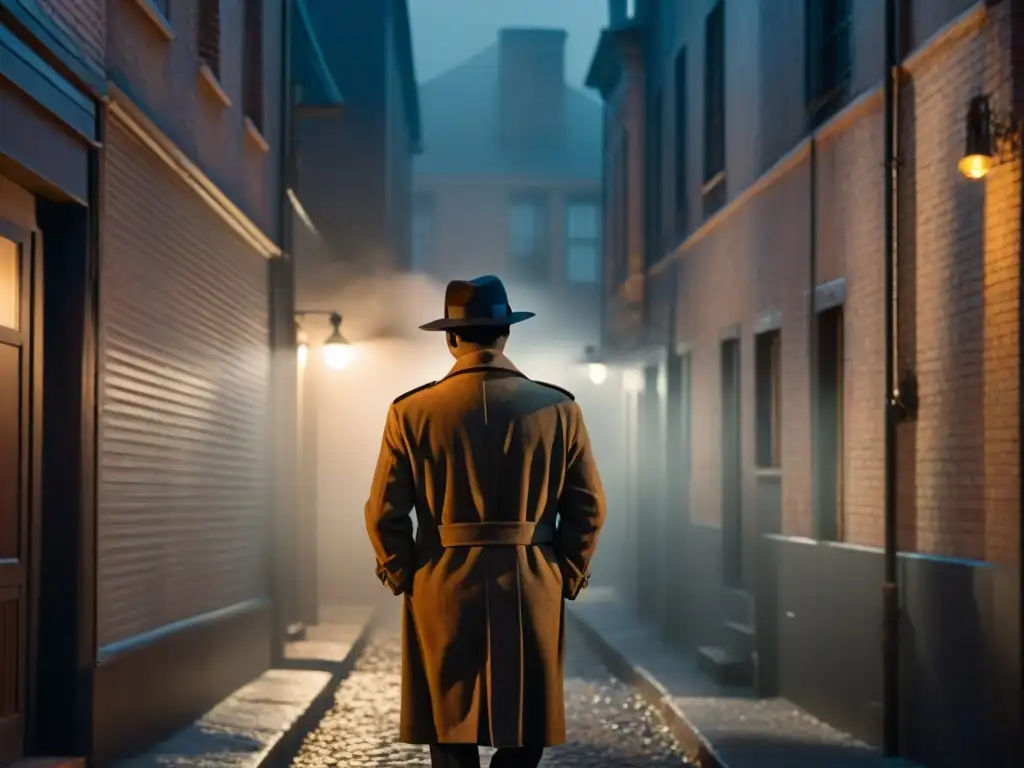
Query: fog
392	356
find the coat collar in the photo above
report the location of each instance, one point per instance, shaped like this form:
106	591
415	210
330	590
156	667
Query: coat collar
485	360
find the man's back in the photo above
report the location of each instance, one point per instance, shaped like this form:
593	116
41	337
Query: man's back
509	505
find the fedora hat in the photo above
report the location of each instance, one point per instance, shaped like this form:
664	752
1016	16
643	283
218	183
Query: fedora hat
481	301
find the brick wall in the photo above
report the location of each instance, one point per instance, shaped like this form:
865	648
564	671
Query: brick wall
84	20
163	76
959	252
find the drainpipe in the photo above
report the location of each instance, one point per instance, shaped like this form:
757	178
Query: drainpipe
282	335
893	402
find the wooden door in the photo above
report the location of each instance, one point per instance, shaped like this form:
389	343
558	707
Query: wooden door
16	311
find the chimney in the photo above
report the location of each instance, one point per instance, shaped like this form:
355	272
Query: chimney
532	81
616	12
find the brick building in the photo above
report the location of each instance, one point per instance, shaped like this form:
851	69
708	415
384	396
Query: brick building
145	330
510	177
746	176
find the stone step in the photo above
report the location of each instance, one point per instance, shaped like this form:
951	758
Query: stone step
740	638
738	606
723	667
49	762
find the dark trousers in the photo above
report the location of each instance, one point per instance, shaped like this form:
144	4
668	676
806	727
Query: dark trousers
468	756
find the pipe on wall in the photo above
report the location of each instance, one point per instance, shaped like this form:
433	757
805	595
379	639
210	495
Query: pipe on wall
893	402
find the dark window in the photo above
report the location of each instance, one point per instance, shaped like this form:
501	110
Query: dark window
655	156
253	72
768	393
582	241
622	211
828	426
422	232
681	112
829	56
714	93
528	237
209	34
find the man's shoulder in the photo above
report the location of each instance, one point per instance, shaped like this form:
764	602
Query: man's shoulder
415	391
561	390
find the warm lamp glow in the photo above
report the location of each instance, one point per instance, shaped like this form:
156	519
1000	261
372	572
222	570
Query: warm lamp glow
975	166
598	373
303	354
632	381
337	354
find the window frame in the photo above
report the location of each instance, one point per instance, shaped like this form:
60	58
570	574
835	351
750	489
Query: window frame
423	208
209	33
714	94
569	240
829	32
253	85
533	266
768	399
680	133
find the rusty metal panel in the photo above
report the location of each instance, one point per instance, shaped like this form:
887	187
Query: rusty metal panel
184	397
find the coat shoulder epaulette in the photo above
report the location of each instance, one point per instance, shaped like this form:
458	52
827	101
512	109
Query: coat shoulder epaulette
557	388
412	392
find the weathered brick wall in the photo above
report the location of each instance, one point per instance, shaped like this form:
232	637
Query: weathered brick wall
959	256
163	75
84	20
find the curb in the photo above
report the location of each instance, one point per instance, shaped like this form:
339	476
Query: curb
283	752
696	747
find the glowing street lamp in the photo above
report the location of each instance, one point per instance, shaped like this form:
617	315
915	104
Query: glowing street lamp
338	353
336	349
989	139
598	373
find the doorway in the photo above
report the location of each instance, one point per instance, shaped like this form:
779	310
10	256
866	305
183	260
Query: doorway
828	438
17	464
732	497
677	488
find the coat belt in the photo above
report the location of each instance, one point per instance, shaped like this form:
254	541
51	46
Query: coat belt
496	534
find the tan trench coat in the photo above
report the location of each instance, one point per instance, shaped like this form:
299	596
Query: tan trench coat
488	458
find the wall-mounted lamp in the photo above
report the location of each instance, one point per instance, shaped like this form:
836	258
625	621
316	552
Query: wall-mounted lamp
337	350
597	370
989	139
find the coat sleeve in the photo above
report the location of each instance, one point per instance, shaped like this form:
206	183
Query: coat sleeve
581	510
392	497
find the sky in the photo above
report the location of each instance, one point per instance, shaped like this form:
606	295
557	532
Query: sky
447	32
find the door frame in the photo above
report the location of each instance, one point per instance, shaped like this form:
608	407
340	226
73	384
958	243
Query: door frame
29	336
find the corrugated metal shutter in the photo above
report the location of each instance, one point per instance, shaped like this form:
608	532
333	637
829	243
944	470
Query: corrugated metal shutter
184	389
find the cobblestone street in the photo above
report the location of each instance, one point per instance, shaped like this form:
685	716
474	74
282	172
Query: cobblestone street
609	726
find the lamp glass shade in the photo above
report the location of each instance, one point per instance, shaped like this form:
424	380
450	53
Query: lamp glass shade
303	354
338	353
598	373
977	157
975	166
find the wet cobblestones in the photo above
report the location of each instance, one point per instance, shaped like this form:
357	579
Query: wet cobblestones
609	725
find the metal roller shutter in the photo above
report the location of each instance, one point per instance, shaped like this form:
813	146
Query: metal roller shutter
184	389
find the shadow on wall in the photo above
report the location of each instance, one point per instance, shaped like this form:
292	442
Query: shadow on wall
382	314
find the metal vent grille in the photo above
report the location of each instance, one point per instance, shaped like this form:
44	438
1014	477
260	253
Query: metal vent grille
183	510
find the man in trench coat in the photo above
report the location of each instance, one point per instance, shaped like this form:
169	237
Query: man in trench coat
509	506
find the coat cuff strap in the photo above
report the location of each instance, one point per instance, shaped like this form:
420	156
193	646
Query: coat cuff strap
574	580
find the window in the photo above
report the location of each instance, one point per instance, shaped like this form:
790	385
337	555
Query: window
253	64
681	112
714	109
528	237
209	34
10	284
164	6
422	232
828	426
768	394
622	203
582	241
829	56
655	155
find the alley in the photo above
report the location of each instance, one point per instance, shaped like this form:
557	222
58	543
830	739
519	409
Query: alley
609	726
